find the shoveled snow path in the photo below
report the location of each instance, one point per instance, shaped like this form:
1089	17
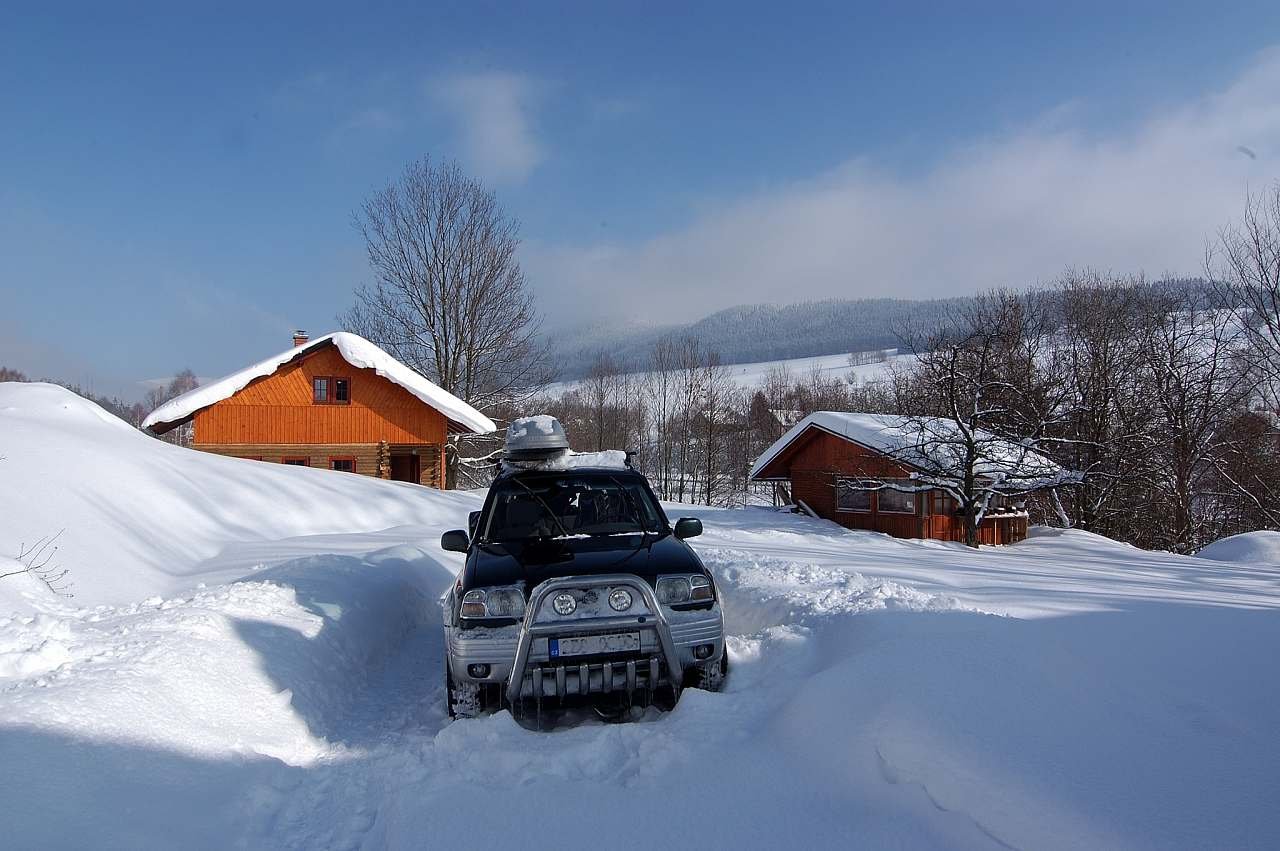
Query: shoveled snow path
400	759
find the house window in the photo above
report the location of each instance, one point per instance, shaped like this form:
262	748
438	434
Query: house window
343	465
296	462
894	501
852	495
330	390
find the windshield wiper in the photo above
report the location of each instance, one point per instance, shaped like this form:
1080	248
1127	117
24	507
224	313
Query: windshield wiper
631	504
550	512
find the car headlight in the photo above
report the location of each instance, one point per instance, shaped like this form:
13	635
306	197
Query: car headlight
564	604
674	590
506	602
620	599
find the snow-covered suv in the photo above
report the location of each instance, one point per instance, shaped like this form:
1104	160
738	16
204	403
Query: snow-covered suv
577	588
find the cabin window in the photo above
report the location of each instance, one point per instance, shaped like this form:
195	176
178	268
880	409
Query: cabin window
943	503
894	501
331	390
343	465
296	462
853	495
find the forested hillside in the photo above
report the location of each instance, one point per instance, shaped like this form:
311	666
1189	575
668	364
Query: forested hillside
760	332
752	333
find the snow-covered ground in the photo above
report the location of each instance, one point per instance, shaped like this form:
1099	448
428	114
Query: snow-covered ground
751	375
272	678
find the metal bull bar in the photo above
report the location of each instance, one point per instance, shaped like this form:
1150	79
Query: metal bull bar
653	619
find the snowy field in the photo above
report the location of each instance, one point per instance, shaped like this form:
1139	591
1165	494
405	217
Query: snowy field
751	375
253	659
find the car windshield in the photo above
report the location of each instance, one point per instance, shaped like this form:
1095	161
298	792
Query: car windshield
570	506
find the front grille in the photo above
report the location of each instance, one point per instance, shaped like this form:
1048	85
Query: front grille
600	678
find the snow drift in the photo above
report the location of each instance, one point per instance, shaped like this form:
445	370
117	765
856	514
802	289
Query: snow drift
143	517
1261	547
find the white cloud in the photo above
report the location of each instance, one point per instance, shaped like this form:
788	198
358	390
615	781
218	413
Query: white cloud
1010	210
493	111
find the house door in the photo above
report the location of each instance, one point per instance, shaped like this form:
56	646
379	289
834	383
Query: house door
406	468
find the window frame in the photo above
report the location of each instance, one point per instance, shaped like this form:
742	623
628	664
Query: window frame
870	506
331	389
350	458
912	495
295	460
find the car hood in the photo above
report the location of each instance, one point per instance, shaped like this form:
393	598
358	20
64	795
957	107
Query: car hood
535	562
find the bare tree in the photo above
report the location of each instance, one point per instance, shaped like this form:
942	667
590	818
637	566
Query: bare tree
662	400
1196	384
448	296
690	389
1247	262
185	381
717	404
1105	429
37	561
983	400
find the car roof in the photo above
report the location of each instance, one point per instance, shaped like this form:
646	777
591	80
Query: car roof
578	472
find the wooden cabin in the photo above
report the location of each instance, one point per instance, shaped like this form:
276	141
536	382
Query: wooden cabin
838	465
337	402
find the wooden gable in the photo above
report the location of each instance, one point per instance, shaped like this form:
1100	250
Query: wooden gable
817	449
279	409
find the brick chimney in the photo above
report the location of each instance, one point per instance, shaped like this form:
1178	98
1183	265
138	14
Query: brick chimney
299	338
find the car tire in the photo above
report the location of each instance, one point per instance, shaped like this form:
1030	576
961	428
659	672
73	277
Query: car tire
465	700
712	678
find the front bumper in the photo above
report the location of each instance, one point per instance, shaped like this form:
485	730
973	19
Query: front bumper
518	657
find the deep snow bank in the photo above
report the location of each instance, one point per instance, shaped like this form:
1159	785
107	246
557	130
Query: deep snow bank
141	516
1261	547
268	666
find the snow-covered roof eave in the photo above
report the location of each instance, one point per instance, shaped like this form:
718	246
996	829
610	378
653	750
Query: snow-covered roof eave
356	351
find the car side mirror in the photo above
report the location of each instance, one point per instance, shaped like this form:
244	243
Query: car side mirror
455	541
688	527
473	520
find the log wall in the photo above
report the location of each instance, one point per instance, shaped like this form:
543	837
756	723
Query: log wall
366	455
822	458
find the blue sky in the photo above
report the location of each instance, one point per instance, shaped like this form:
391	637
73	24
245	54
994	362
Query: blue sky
176	187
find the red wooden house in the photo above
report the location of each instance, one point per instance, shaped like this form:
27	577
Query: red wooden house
843	467
337	402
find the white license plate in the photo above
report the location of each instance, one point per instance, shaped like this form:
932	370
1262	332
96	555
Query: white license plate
586	645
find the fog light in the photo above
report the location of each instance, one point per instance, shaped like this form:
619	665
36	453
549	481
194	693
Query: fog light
620	599
703	651
564	604
478	672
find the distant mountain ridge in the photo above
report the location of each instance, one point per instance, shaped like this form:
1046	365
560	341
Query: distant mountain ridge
753	333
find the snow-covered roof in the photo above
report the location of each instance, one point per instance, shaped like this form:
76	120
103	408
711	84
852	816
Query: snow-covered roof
355	350
921	442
